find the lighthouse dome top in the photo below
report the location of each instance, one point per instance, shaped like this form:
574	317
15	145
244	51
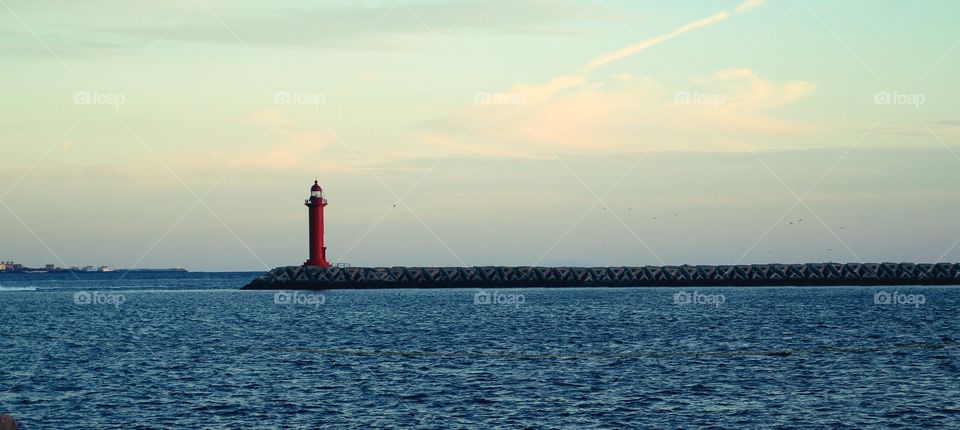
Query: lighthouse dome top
316	194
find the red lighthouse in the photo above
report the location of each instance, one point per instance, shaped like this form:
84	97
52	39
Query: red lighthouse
315	204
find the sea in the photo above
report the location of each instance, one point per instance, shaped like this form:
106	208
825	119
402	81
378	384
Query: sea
191	351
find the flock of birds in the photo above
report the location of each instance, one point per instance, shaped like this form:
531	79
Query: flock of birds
799	220
791	222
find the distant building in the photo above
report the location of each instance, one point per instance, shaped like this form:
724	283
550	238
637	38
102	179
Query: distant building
10	266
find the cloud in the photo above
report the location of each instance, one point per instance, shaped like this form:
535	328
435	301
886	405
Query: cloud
749	4
743	90
573	114
269	118
280	142
300	150
656	40
944	130
77	28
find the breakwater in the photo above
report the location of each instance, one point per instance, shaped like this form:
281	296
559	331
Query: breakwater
810	274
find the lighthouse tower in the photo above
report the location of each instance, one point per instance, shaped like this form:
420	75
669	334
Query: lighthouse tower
315	205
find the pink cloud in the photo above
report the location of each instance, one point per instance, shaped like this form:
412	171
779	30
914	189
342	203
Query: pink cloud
627	113
269	118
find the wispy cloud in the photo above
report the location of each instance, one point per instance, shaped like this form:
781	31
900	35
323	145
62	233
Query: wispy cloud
74	29
656	40
750	4
637	47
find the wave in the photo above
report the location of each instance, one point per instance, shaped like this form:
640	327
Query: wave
2	288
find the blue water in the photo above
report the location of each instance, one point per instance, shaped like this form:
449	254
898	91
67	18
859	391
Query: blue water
191	351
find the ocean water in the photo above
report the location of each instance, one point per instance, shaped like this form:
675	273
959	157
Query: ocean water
188	350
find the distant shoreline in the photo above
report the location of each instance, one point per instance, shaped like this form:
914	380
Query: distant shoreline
31	271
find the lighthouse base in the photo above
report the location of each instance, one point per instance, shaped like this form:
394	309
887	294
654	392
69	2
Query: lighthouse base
320	264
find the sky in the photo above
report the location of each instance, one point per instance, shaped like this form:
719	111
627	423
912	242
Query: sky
489	132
